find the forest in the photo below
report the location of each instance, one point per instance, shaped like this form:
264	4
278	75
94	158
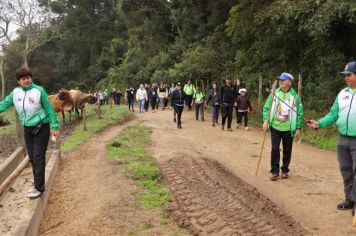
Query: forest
96	44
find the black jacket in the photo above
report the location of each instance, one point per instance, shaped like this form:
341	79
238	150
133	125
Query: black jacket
178	98
213	98
152	93
227	95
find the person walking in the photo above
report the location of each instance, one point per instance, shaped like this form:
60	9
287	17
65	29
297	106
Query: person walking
285	123
130	98
198	101
243	107
141	97
153	97
343	112
170	92
213	100
36	114
162	95
178	100
147	88
189	90
227	103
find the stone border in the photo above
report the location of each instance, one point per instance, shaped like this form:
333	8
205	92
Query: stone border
10	164
32	215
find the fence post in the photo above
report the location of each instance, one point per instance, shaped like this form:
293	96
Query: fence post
84	119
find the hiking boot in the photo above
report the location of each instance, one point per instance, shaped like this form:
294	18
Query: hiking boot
34	194
229	129
246	128
284	175
202	119
213	124
274	176
346	205
174	119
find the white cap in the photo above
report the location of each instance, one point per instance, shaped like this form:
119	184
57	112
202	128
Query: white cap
243	90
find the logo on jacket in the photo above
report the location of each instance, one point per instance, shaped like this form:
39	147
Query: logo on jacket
31	100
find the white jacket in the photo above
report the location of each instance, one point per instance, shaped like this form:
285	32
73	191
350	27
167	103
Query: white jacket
141	94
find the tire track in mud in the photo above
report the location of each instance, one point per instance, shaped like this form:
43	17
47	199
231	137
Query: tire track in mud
209	200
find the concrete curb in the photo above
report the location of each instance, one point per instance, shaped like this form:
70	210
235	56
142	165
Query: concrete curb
31	216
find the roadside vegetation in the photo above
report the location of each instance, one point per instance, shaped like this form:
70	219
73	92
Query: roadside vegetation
109	116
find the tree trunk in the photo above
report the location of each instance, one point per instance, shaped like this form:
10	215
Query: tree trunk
259	90
300	87
2	79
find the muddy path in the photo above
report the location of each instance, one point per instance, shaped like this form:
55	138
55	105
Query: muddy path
211	176
94	196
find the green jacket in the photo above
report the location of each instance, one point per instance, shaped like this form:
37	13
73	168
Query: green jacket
32	106
295	118
199	97
343	112
189	89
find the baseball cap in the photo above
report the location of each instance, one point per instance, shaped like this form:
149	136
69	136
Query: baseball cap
179	84
286	76
243	90
349	68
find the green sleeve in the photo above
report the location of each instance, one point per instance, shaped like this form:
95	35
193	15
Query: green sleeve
300	113
266	107
185	88
47	107
194	89
331	117
7	103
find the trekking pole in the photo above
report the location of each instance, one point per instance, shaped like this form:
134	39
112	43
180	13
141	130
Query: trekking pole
265	132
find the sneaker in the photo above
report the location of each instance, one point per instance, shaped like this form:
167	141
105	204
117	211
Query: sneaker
284	175
179	127
31	190
213	125
274	176
346	205
237	126
202	119
246	128
34	194
229	129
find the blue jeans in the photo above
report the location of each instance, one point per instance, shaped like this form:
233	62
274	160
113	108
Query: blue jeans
215	114
141	104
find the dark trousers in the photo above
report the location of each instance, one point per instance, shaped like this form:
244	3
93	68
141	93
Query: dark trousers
199	108
240	115
179	111
131	104
154	103
215	114
36	145
116	101
287	142
226	112
189	99
346	153
146	106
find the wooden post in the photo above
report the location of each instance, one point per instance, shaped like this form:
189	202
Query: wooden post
259	91
2	79
84	119
300	87
99	110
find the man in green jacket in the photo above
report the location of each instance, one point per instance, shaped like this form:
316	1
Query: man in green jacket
189	90
285	122
36	114
343	112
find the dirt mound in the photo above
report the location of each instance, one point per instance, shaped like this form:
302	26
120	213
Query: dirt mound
210	200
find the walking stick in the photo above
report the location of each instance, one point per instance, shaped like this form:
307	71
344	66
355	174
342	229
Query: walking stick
265	132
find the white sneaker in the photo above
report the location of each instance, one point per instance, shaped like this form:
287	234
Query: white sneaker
31	190
246	128
34	194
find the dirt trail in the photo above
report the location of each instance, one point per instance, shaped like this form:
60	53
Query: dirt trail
91	196
214	198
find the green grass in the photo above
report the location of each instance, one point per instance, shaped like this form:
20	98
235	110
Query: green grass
129	148
94	124
9	129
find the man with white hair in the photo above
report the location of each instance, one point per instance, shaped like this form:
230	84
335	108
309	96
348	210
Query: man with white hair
285	112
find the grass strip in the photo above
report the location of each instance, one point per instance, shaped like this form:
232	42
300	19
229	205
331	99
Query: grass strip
129	148
94	124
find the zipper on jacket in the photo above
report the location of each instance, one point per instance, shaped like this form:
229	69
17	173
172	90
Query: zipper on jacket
348	114
23	107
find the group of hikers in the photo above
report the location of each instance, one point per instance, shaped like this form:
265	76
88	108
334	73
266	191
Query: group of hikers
103	96
282	115
222	100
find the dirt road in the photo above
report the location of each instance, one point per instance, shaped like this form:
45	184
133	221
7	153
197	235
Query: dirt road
210	173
